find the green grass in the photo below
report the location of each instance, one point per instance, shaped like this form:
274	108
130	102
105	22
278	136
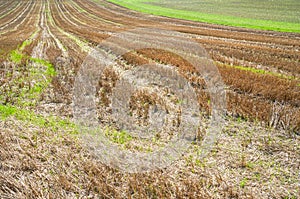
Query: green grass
243	183
16	56
50	68
29	84
38	77
30	117
262	72
38	69
118	137
264	15
28	41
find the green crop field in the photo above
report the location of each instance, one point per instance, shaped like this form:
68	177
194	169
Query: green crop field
265	15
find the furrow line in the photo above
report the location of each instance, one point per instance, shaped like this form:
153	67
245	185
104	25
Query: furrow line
8	5
97	27
11	11
23	19
93	16
83	45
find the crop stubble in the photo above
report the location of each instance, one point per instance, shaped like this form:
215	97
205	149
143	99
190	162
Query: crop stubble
90	23
268	98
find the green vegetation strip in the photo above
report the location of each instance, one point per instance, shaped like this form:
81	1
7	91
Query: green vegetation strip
16	56
55	123
7	111
261	71
222	19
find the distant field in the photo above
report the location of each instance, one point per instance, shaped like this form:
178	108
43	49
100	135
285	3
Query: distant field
266	15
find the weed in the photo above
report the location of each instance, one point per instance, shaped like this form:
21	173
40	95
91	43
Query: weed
24	44
257	176
118	137
24	115
260	71
16	56
243	183
290	197
28	81
50	68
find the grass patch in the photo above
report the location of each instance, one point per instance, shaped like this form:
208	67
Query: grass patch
27	81
16	56
118	137
28	116
50	68
261	71
24	44
171	9
243	183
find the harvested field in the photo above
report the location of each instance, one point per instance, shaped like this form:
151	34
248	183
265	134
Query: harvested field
43	45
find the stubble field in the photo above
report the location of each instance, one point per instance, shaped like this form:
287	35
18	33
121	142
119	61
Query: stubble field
42	46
